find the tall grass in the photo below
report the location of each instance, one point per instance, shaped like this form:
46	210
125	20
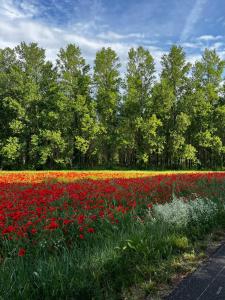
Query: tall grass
116	258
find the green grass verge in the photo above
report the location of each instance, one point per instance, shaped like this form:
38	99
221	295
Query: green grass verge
132	259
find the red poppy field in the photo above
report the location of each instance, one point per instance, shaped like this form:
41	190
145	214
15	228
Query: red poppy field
30	208
47	214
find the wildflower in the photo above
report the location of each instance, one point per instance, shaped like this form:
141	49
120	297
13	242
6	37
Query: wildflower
66	222
81	219
21	252
93	217
9	229
52	225
91	230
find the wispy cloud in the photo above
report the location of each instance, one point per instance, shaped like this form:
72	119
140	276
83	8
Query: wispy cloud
192	19
18	25
209	37
217	46
8	10
192	58
191	45
110	35
93	24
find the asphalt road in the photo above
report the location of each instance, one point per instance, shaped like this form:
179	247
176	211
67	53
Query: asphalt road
206	283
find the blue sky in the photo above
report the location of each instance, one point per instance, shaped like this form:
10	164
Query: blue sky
120	24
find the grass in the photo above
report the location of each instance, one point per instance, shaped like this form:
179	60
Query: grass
129	260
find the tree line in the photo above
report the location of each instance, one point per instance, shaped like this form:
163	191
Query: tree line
66	115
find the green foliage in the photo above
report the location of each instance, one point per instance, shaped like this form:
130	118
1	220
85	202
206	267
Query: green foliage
107	84
11	149
139	124
142	254
48	147
66	116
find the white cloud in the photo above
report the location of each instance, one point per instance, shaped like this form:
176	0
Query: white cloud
28	8
18	25
192	58
216	46
109	35
9	11
192	19
222	54
207	38
190	45
27	30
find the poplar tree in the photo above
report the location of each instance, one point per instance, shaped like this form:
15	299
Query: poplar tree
65	115
139	124
107	84
78	109
175	71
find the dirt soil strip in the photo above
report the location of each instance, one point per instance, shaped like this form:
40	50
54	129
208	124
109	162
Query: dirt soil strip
206	283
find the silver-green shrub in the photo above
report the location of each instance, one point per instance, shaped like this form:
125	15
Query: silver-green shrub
182	212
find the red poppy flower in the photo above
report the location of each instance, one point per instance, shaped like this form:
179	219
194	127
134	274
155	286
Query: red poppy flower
21	252
52	225
91	230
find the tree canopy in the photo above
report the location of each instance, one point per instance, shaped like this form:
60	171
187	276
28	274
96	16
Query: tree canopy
69	115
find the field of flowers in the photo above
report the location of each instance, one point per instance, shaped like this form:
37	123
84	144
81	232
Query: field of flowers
61	232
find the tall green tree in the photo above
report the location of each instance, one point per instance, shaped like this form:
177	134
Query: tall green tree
9	109
107	84
205	108
79	113
23	99
48	144
31	60
61	116
139	125
175	71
